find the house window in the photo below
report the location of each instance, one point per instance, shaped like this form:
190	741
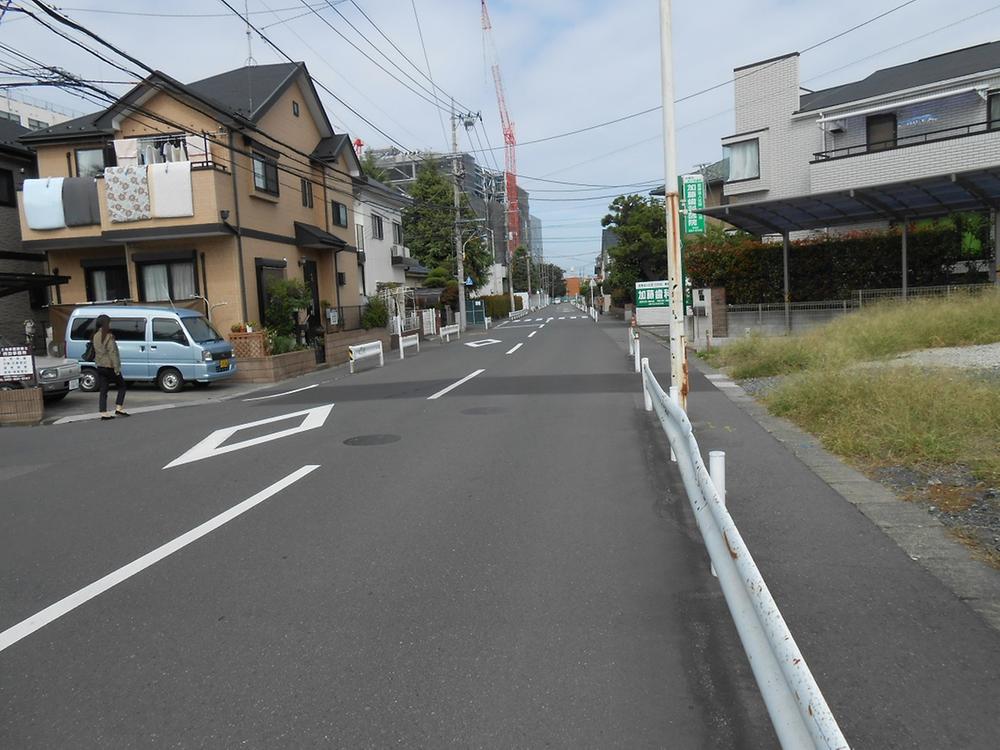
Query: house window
89	162
36	124
397	233
307	193
8	197
359	229
159	282
265	174
106	283
339	213
377	231
4	115
881	131
743	159
993	110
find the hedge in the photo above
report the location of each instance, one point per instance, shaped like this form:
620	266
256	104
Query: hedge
831	268
498	305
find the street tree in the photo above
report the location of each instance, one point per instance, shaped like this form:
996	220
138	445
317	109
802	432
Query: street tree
641	253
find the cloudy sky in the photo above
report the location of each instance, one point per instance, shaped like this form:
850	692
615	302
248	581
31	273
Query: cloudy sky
567	64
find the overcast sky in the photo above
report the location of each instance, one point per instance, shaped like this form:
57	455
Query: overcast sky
566	64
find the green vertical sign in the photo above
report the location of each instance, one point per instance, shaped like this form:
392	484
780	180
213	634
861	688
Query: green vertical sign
691	188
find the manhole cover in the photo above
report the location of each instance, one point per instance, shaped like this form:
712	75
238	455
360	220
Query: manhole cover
485	410
372	440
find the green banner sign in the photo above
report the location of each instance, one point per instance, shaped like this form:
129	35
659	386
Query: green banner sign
652	294
692	198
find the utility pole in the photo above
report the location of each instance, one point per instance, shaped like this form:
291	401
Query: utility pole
457	196
678	343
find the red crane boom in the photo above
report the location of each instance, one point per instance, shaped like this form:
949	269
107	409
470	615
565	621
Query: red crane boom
510	144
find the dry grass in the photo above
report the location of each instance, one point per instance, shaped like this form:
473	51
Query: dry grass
977	547
891	329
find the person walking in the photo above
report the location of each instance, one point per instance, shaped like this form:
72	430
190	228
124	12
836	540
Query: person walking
109	368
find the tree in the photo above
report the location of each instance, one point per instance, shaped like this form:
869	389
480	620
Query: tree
371	168
285	297
641	253
429	224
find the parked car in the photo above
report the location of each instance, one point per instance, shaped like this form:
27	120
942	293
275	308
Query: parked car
162	345
57	376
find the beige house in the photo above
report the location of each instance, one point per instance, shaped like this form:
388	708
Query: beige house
238	179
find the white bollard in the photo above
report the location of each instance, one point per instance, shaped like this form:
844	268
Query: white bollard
636	355
717	470
647	399
631	344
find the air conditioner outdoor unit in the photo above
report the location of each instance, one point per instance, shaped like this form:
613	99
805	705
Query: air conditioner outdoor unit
837	126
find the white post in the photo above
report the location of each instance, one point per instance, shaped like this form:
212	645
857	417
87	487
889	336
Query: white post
631	343
647	399
678	348
352	363
636	356
381	358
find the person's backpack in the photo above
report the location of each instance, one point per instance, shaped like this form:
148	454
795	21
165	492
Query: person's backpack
89	355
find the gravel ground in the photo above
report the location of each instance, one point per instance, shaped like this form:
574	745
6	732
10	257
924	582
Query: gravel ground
951	494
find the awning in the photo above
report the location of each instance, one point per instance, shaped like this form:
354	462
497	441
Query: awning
12	283
313	238
923	198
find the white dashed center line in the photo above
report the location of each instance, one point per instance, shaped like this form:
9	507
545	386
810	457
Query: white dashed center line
532	334
516	347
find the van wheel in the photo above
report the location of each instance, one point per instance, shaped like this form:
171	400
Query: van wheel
88	380
169	380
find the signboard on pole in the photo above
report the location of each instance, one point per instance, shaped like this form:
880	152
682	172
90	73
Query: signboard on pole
691	188
652	303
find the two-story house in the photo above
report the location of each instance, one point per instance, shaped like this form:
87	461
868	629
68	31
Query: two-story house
912	141
378	214
209	189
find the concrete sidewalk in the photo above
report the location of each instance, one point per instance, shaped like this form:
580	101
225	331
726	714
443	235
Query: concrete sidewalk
903	660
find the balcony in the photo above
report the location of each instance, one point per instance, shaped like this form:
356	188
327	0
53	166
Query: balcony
210	188
956	149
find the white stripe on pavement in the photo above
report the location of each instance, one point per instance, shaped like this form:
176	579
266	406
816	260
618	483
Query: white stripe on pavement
455	385
562	317
516	347
532	334
54	611
286	393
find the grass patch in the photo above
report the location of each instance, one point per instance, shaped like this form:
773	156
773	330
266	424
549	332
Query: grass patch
898	415
890	329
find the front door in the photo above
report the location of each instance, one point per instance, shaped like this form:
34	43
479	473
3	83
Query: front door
311	278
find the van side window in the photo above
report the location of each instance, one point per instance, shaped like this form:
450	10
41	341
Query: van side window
82	330
165	329
129	329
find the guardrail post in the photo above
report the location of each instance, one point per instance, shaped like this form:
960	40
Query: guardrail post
636	355
631	343
381	357
717	471
401	347
647	398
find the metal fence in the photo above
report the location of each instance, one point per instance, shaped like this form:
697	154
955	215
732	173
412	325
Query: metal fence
798	710
350	317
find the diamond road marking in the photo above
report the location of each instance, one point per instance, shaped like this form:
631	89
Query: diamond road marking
210	446
483	342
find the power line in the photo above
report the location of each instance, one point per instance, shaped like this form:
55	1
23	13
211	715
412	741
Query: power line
147	14
755	71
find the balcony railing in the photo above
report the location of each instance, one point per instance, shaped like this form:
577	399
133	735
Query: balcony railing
905	141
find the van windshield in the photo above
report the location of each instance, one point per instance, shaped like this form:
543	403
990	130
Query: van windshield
201	330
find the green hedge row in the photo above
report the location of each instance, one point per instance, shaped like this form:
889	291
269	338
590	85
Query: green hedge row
832	268
498	305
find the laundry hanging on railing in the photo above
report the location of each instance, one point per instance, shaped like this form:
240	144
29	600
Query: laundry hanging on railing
43	203
170	190
197	147
127	194
80	204
127	152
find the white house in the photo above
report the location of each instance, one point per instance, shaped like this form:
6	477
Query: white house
382	252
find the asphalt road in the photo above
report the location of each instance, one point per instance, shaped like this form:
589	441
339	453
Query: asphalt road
508	564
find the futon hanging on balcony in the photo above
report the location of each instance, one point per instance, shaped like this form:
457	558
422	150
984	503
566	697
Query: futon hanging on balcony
127	194
80	203
170	189
43	203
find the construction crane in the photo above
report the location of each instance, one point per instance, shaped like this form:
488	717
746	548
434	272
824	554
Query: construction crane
510	143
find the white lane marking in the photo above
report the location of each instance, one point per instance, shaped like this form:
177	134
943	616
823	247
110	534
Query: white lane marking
483	342
572	317
23	629
210	446
541	326
532	334
516	347
286	393
455	385
562	317
548	319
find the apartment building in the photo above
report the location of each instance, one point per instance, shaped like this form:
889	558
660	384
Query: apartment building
912	141
32	113
209	189
385	259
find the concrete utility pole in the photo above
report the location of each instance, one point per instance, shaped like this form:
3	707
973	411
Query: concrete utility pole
678	343
457	195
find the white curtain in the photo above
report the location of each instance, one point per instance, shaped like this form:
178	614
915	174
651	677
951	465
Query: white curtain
182	279
99	286
744	160
154	280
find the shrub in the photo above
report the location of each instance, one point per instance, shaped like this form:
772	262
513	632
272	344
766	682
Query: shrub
279	344
497	305
285	298
376	315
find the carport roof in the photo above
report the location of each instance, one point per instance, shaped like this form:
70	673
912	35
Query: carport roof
923	198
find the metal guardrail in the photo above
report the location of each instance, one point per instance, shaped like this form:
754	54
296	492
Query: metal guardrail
518	314
798	710
362	351
405	341
447	332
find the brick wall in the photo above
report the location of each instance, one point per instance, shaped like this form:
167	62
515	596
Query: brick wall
275	368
